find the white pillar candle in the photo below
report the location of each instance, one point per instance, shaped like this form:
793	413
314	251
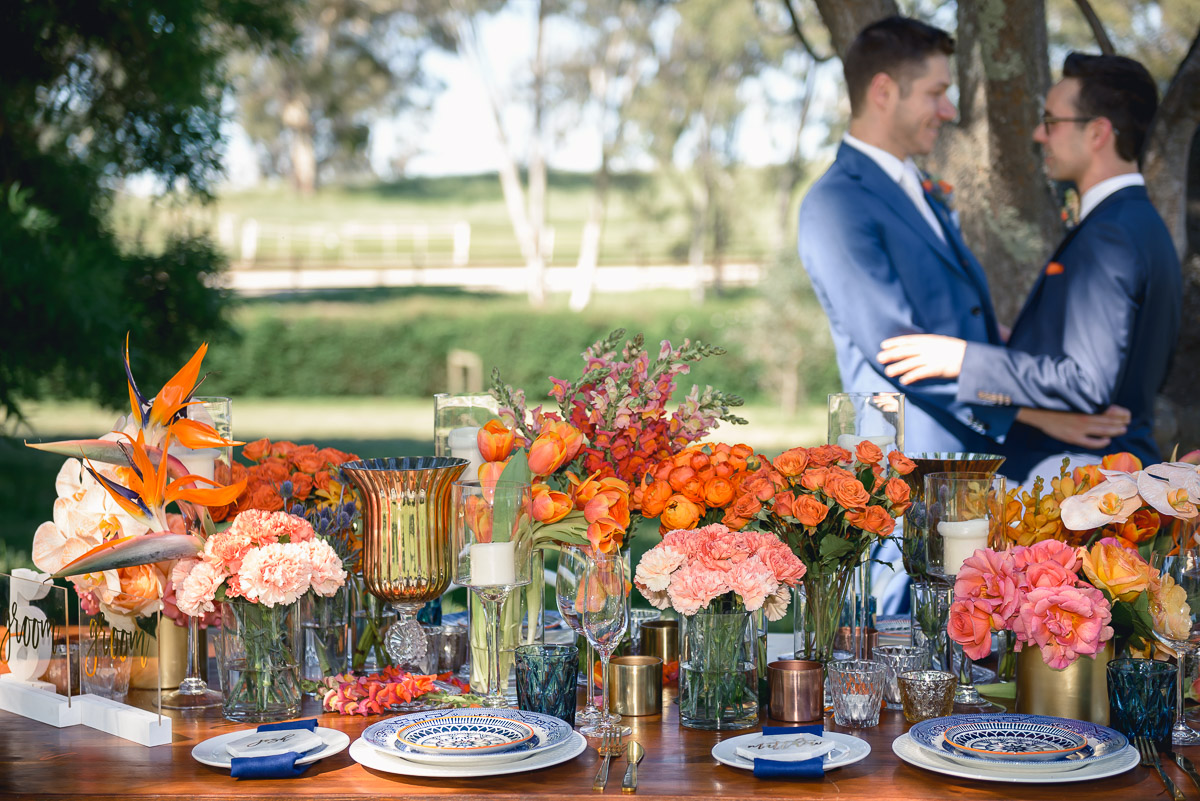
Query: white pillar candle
960	539
850	442
199	461
464	444
493	564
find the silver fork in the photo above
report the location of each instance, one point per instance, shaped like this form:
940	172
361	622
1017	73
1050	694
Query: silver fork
609	743
1150	760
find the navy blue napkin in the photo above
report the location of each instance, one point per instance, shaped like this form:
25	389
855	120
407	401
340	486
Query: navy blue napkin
276	766
779	769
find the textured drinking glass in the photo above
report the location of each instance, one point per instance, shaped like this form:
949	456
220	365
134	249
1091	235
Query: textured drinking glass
1141	698
857	689
897	659
1184	569
929	611
926	694
546	680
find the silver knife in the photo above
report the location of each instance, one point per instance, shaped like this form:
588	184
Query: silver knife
1187	766
1172	790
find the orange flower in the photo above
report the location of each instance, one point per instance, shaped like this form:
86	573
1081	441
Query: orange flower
898	493
783	503
334	456
309	462
302	484
679	477
693	490
256	450
761	488
1141	526
272	470
282	449
823	455
814	478
263	497
732	521
1054	267
557	444
490	472
655	498
495	441
718	492
1125	462
901	463
874	520
322	480
680	513
141	590
746	506
849	493
809	511
792	461
698	460
1085	477
550	506
605	535
868	452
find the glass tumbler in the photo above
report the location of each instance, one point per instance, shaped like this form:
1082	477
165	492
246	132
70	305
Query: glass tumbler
857	689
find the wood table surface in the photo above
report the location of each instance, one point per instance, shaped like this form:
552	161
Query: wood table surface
39	761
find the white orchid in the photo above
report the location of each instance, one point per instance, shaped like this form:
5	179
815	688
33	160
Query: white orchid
1172	488
1111	501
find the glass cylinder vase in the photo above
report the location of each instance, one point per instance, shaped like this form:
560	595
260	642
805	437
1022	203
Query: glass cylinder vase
260	670
325	626
718	679
817	613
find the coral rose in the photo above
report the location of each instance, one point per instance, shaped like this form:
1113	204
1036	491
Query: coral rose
1065	622
850	493
655	497
792	461
141	591
495	441
782	504
989	577
813	478
309	462
970	626
718	492
901	463
680	513
302	484
264	497
746	506
1113	567
255	451
898	494
873	520
809	511
731	520
868	452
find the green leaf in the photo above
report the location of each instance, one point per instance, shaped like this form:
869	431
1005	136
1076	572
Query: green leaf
834	547
517	468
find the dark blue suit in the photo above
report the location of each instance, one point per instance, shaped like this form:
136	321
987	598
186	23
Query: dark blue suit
880	271
1099	328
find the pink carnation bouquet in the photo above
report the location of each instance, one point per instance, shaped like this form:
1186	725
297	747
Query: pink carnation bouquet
1067	601
691	568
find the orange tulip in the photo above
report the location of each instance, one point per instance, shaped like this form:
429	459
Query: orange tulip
557	444
550	506
490	472
1141	526
495	441
1125	462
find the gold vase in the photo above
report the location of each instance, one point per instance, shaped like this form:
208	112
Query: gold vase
1078	691
164	658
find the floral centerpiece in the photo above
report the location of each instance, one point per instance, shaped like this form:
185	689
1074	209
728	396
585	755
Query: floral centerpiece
696	486
714	578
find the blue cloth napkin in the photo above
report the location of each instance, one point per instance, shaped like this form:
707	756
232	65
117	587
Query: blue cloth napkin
276	766
778	769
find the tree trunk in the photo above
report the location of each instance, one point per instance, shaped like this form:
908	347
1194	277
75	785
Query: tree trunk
537	167
302	153
845	19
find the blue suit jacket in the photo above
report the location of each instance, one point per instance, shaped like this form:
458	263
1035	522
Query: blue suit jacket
1099	328
879	271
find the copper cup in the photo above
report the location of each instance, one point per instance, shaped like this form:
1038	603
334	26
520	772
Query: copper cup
797	690
845	638
635	685
661	638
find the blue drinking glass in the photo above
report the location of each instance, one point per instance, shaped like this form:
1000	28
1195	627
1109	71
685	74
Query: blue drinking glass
546	680
1141	699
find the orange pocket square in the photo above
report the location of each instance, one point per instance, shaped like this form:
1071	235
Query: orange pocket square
1054	268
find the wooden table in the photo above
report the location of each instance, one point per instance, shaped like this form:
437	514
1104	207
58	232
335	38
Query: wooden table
38	761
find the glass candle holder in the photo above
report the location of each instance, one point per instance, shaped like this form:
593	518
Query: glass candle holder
897	659
926	694
856	686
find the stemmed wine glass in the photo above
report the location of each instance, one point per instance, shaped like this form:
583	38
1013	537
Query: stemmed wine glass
604	614
492	545
572	562
1177	625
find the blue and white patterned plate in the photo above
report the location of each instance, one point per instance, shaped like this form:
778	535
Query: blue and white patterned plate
1027	742
1102	743
384	738
550	732
464	733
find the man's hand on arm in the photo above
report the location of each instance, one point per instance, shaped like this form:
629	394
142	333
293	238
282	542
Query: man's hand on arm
916	357
1084	430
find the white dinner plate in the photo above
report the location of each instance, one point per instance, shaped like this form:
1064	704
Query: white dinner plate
913	754
368	756
849	749
212	751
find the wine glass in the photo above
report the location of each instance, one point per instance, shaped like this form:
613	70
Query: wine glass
604	614
572	562
1176	620
492	544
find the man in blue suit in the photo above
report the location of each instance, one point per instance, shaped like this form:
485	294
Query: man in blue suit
1101	323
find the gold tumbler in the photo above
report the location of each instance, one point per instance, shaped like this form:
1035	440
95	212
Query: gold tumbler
635	685
661	638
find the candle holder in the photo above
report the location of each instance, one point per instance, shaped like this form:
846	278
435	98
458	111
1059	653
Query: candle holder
965	511
406	557
493	539
456	423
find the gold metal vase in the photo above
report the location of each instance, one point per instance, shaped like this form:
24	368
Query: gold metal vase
1078	691
164	662
406	559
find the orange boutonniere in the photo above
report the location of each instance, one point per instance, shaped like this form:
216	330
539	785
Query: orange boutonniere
939	191
1054	268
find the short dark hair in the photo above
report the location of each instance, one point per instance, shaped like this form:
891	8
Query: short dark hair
1119	89
897	46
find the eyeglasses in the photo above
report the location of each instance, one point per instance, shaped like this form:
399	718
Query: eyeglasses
1048	120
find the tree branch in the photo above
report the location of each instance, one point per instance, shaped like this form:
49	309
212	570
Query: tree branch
1089	13
798	29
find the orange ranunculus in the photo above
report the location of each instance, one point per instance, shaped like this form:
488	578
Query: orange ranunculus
1141	526
309	462
746	505
693	489
901	463
698	460
849	493
550	506
679	477
256	450
731	521
741	451
782	504
898	493
874	520
655	497
490	472
724	470
680	513
302	484
813	478
718	492
792	461
263	496
868	452
1120	570
141	590
495	441
1125	462
809	511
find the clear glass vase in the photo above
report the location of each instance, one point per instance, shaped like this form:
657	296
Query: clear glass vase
325	626
817	612
718	678
370	619
260	670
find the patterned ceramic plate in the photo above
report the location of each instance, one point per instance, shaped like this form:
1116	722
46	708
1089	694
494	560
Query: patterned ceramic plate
1030	742
465	734
847	750
1013	772
362	753
550	733
383	737
1102	743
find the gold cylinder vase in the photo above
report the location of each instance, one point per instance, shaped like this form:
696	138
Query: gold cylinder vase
1078	691
163	658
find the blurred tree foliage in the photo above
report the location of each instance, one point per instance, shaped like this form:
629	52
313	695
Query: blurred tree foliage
93	93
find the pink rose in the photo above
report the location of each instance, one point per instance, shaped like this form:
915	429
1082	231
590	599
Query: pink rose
278	573
195	595
1049	574
971	626
693	587
753	581
656	566
1046	551
327	573
989	577
1064	622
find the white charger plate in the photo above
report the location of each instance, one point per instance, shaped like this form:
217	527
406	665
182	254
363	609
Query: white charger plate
212	751
849	749
908	751
368	756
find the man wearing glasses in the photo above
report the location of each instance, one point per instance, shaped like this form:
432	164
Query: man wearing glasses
1102	320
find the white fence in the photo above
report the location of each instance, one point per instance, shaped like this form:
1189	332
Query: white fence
274	244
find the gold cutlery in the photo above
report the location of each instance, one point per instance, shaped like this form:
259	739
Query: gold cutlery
610	744
1150	760
1187	766
634	755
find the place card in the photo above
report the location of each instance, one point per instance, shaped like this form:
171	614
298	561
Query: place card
785	747
36	676
270	743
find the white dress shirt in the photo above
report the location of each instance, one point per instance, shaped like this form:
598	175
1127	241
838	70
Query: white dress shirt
1091	198
904	173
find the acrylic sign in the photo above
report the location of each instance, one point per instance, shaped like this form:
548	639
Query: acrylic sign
34	630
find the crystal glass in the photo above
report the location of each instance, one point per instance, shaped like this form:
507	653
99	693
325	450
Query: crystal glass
929	612
572	564
492	543
856	686
604	615
1140	698
106	663
897	659
546	680
1178	624
215	464
926	694
964	512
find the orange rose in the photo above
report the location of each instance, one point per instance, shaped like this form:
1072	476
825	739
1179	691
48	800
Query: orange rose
550	506
868	452
322	480
809	511
256	450
792	461
282	449
849	493
901	463
782	504
655	498
761	488
731	521
898	494
680	513
264	497
334	456
272	470
813	478
718	492
302	484
874	520
309	462
746	506
141	590
495	441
